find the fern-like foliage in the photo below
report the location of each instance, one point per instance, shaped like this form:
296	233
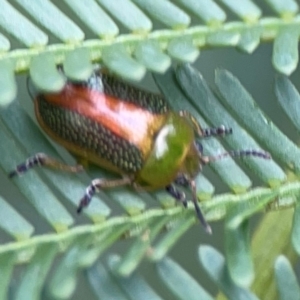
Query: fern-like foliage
182	27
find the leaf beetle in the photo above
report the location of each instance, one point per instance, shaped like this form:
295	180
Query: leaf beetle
129	131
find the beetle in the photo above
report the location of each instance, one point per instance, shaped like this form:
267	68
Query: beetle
129	131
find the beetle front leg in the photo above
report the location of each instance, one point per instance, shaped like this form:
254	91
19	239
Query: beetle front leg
177	194
100	184
41	159
185	181
197	207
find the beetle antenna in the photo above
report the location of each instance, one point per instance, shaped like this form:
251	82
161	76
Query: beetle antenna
236	153
216	131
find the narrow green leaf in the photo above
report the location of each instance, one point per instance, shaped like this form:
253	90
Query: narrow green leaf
94	17
271	238
128	14
8	86
246	9
103	284
69	185
44	73
204	188
183	49
149	54
285	53
171	237
20	27
14	223
250	39
119	61
164	198
135	285
296	230
4	43
286	279
214	264
33	278
196	88
132	202
236	179
77	65
166	12
207	10
6	271
289	99
63	282
254	120
49	16
285	8
140	246
238	255
179	282
31	185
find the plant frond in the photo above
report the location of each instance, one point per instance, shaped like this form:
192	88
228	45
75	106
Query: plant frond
133	36
82	245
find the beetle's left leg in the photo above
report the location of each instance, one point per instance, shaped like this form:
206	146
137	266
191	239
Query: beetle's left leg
199	213
205	132
100	184
177	194
185	181
41	159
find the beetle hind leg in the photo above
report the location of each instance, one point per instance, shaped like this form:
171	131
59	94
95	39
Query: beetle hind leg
41	159
100	184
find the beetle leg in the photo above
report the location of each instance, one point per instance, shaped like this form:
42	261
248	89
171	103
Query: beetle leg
41	159
205	132
100	184
178	195
184	180
197	207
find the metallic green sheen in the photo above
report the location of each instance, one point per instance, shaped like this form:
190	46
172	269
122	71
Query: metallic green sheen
168	153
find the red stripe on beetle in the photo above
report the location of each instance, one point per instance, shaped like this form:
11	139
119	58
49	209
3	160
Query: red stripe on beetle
125	119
